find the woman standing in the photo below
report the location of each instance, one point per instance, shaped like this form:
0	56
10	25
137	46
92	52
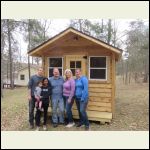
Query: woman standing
81	96
68	93
45	94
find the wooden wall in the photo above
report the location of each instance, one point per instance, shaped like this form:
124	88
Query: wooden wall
101	93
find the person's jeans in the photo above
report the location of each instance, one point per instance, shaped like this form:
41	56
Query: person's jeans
31	110
57	103
45	104
68	107
81	106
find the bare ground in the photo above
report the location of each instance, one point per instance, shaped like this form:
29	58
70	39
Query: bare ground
131	111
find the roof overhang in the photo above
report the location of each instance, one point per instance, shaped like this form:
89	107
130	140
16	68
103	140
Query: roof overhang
39	48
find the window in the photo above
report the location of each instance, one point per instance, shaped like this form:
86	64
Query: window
98	68
55	62
74	65
22	77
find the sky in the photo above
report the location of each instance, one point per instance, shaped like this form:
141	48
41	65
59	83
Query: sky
58	25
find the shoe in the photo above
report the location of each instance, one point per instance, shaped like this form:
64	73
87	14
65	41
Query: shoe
87	128
44	127
62	123
40	109
55	125
31	126
37	129
70	125
79	125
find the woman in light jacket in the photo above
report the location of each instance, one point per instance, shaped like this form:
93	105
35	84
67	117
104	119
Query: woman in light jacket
68	94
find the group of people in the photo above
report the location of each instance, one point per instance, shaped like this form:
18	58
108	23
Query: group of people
62	93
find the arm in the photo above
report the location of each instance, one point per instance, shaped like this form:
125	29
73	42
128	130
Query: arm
85	89
50	88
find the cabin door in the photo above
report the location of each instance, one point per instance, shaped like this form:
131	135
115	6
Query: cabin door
76	61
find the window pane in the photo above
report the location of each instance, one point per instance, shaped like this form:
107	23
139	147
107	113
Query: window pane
72	64
78	64
97	62
51	72
73	72
22	77
97	73
55	62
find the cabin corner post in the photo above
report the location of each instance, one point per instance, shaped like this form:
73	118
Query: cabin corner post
44	65
113	83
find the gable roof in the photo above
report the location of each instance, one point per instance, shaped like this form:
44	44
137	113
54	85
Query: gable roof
84	35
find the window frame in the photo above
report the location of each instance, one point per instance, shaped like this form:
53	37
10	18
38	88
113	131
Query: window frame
23	76
98	68
56	67
75	65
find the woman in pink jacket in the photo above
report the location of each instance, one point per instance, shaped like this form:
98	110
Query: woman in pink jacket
68	94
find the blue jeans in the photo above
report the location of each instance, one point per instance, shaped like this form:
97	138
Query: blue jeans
57	103
31	110
81	106
68	107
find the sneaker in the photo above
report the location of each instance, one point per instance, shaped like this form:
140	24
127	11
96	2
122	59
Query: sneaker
55	125
62	123
87	128
70	125
37	129
40	109
31	126
44	127
79	125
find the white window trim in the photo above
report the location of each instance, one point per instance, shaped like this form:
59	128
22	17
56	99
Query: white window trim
57	67
98	68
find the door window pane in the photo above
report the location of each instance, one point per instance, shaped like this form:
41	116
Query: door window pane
72	64
78	64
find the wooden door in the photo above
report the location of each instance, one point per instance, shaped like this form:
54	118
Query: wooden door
76	61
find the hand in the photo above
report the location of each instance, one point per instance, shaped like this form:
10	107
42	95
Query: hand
29	97
69	100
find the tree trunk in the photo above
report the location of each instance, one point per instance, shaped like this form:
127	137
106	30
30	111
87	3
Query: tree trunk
126	75
145	80
2	88
29	49
129	77
135	77
102	28
80	25
109	31
10	54
122	71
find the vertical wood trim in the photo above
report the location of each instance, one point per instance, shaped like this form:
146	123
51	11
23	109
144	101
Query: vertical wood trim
43	64
108	69
46	66
113	83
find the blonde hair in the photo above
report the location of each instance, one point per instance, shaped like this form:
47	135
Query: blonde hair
68	70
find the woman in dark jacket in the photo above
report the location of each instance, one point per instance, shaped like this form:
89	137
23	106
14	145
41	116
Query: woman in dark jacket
45	94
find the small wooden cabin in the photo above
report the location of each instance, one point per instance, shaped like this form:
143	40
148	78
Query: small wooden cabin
97	60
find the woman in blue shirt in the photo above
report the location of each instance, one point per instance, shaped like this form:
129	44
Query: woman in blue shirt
81	97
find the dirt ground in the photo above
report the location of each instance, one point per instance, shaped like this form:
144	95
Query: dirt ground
131	111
